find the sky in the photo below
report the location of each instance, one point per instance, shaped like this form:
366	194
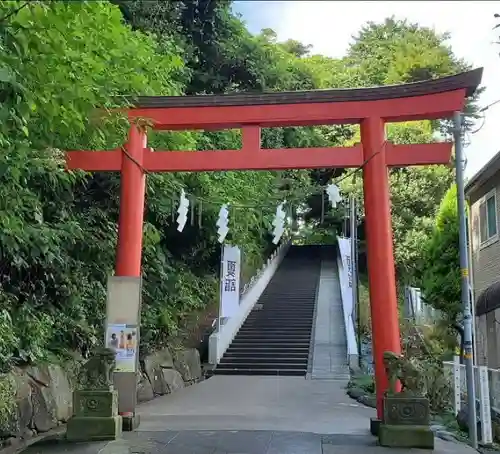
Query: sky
329	26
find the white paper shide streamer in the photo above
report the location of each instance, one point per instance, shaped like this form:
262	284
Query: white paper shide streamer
182	211
222	223
333	194
279	223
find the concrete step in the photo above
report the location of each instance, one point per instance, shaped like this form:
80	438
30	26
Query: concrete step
276	355
261	366
271	335
249	371
282	330
271	342
278	315
256	349
273	360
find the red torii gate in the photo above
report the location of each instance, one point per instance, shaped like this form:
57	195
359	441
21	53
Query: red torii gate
369	107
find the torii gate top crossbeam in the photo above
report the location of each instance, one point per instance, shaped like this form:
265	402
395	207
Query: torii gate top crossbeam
432	99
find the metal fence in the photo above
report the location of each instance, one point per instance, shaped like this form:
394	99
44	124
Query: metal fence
416	309
487	388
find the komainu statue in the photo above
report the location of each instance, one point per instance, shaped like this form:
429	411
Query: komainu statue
97	372
409	374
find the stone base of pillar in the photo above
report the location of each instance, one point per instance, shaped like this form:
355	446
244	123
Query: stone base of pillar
374	426
130	423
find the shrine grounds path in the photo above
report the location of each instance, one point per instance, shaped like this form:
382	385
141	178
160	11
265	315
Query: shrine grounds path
250	415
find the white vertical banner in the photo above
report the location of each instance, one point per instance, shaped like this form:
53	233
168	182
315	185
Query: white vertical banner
230	281
346	283
346	280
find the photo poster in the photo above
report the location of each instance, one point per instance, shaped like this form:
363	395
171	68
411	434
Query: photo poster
230	281
122	338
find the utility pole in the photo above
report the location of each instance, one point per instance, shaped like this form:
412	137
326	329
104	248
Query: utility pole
471	291
464	271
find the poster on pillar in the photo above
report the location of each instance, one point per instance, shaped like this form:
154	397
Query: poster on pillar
122	339
230	281
346	278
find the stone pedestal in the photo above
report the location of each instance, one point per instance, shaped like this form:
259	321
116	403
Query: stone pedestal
406	422
406	436
95	406
95	416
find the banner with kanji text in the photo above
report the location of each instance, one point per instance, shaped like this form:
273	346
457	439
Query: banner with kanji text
230	281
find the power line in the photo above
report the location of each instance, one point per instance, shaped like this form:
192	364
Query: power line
489	105
178	187
483	117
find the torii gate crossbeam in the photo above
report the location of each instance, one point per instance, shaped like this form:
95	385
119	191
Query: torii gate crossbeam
372	108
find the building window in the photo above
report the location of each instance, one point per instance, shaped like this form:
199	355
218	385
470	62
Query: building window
488	217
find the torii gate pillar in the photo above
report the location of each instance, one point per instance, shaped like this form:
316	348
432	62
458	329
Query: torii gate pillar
381	275
123	306
132	193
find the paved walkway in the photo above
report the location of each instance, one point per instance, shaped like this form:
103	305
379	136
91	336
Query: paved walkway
329	348
250	415
258	403
262	415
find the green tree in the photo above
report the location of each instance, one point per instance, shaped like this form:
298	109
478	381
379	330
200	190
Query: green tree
53	271
439	266
396	51
59	61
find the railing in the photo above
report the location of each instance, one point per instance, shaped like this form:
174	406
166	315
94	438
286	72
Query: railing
487	389
220	340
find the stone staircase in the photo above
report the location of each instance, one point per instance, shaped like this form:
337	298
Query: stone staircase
275	338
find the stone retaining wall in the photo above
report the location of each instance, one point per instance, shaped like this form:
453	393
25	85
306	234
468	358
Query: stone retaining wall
37	399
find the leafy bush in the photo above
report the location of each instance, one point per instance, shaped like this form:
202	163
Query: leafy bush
426	356
364	382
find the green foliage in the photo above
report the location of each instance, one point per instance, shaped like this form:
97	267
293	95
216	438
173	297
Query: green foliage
58	229
440	266
397	51
7	399
364	382
393	52
420	345
53	271
364	306
59	61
